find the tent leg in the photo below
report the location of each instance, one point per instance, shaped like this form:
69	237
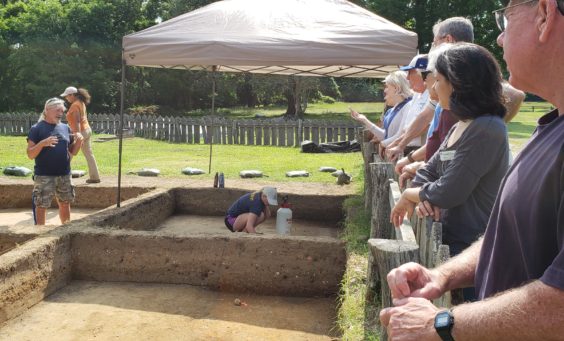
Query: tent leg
212	118
120	132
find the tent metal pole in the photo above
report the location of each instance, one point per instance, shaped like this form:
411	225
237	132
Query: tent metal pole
120	132
211	134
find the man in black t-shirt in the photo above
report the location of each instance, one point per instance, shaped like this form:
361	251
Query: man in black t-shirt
518	266
49	143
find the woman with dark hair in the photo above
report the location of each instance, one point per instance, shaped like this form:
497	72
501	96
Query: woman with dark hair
78	121
459	184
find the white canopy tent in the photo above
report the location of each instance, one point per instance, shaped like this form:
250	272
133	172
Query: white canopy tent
333	38
289	37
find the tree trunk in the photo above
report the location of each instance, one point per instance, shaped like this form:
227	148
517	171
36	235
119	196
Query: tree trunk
294	97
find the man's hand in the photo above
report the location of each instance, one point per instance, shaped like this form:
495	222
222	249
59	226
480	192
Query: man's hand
402	207
394	153
410	319
404	178
414	280
404	161
51	141
78	138
426	209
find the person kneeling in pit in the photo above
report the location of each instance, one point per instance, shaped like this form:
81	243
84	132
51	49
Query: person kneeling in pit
250	210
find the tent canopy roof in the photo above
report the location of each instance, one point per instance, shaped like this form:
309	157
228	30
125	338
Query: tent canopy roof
290	37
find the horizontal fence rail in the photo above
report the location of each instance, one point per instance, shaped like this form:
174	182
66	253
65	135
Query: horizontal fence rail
220	130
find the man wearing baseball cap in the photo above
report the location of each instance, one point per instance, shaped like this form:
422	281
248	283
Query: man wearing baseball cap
418	105
250	210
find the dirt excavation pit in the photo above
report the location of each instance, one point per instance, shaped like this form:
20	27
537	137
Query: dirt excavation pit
191	224
132	311
164	266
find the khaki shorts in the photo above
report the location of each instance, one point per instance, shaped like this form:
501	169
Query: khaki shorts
46	186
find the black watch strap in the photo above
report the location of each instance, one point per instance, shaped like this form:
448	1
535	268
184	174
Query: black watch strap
444	322
410	156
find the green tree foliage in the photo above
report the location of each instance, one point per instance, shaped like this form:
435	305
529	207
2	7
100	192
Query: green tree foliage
46	45
420	16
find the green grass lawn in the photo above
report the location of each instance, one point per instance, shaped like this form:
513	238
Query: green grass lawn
230	159
333	111
274	162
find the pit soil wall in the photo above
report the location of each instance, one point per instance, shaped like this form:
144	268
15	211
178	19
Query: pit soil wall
19	195
216	201
32	272
271	265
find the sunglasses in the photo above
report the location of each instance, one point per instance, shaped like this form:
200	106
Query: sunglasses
501	18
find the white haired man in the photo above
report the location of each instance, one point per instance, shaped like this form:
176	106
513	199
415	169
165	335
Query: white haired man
50	143
518	266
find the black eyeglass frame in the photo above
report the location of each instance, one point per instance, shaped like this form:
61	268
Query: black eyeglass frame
500	18
424	74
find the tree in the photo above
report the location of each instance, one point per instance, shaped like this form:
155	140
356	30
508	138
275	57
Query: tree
420	16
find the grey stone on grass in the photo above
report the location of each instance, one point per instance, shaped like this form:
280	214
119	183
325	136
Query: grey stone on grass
297	174
76	173
327	169
147	172
17	171
192	171
245	174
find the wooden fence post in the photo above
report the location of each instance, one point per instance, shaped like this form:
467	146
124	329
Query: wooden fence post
389	254
381	227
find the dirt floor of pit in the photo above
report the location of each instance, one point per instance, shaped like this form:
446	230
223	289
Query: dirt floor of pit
19	220
306	188
130	311
191	224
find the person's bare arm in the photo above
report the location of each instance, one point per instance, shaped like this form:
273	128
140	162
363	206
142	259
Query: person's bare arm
513	100
33	149
76	144
414	280
251	220
530	312
267	213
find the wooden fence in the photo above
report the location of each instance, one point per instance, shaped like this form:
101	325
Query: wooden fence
416	240
260	132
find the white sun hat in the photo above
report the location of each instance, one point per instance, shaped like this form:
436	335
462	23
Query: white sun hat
69	91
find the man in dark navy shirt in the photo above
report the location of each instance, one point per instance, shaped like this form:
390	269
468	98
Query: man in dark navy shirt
518	266
250	210
50	143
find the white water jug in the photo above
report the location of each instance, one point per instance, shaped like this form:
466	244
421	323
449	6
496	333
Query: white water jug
284	218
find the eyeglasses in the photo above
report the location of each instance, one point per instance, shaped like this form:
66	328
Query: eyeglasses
424	74
501	19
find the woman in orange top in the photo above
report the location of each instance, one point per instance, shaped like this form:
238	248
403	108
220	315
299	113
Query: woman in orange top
78	122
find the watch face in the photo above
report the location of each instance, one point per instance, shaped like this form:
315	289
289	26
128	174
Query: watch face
442	320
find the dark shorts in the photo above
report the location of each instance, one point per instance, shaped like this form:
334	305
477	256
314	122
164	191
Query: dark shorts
229	221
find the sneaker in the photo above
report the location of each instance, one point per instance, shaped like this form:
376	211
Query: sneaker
93	181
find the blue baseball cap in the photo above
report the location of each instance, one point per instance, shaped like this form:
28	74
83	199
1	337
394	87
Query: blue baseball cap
418	62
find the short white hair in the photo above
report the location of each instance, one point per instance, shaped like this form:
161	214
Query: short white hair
51	102
435	53
399	80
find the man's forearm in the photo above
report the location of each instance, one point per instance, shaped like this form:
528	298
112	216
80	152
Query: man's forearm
417	126
531	312
458	272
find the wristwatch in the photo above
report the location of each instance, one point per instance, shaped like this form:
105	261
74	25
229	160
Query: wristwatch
444	321
410	156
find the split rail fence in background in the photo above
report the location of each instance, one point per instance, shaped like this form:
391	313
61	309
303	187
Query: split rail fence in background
260	132
417	240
